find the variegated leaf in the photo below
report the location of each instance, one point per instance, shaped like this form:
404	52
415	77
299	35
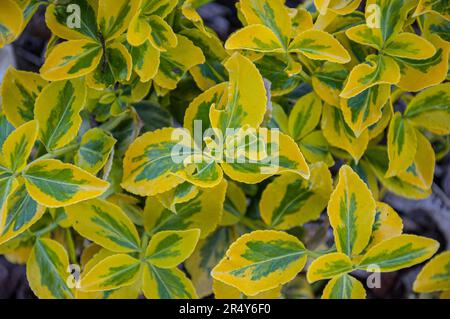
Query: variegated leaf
319	45
95	148
234	206
113	20
436	24
211	72
402	145
365	109
430	109
351	210
272	14
162	36
435	275
256	37
276	69
18	146
344	287
198	110
421	172
168	249
419	74
378	160
224	291
329	266
387	224
115	66
301	20
58	110
19	92
328	82
11	21
260	261
399	252
180	194
71	59
340	135
161	8
8	184
340	23
146	60
148	164
315	148
5	129
341	7
59	14
47	270
365	172
377	70
53	183
139	30
130	206
105	224
426	6
392	15
206	256
365	35
159	283
291	201
204	211
378	128
276	153
113	272
409	45
246	104
176	61
189	10
305	116
21	213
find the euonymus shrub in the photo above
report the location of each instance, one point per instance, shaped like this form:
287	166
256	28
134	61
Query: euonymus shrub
97	205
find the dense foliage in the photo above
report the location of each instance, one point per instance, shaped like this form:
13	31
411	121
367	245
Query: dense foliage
301	121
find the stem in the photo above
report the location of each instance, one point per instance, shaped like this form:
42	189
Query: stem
114	122
253	224
306	63
71	246
317	254
305	77
60	152
396	95
104	55
45	230
144	242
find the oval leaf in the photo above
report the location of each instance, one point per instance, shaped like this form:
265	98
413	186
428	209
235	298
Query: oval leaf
161	283
17	147
105	224
47	270
58	112
95	148
19	92
168	249
344	287
260	261
352	212
291	201
399	252
329	266
113	272
435	275
319	45
55	184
